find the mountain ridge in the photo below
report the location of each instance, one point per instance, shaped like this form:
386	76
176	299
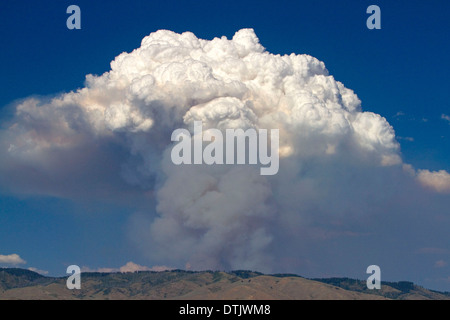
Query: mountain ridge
202	285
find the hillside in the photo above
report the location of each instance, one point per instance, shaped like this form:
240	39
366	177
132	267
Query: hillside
181	285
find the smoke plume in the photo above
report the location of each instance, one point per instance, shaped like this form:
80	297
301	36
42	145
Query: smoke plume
340	166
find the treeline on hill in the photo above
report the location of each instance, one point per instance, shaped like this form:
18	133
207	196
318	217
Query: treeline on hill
401	287
142	282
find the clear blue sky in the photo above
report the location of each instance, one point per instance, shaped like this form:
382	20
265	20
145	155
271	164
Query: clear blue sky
400	72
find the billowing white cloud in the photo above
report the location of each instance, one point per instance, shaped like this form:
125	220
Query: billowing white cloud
339	165
12	259
436	180
133	267
128	267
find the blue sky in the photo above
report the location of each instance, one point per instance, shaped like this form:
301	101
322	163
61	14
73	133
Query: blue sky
399	72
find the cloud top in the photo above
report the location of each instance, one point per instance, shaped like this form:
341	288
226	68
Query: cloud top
12	259
128	267
125	116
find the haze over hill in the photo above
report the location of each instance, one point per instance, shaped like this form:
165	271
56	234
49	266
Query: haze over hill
206	285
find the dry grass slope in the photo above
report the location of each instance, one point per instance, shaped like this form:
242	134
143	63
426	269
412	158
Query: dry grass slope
183	285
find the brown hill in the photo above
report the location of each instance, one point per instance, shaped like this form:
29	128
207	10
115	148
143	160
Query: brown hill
181	285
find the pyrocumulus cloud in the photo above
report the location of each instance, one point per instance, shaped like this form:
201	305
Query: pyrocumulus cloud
337	162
